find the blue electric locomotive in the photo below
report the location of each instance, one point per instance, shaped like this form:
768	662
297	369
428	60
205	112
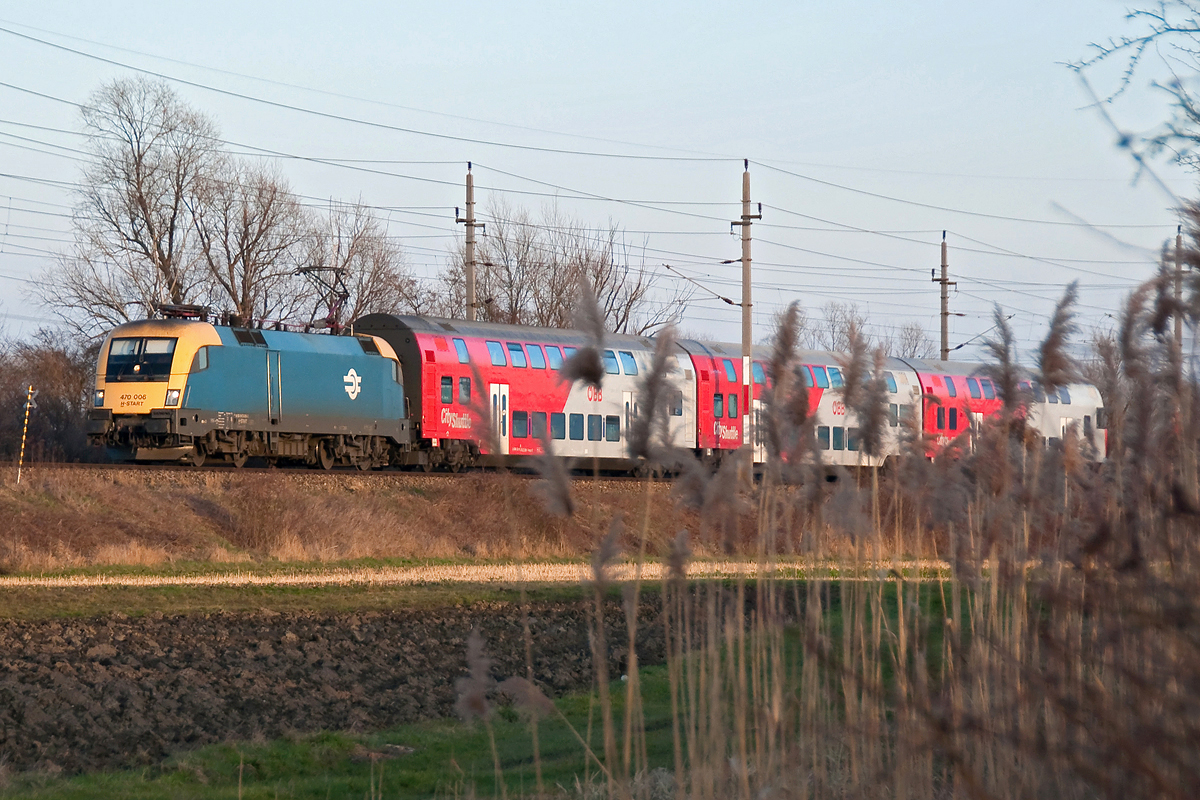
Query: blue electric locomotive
185	390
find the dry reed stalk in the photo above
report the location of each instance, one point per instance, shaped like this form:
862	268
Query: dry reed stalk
1057	659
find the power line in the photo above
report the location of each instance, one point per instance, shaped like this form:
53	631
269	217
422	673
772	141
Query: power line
372	101
947	209
353	120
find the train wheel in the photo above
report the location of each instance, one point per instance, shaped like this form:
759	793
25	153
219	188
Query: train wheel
197	457
239	459
325	455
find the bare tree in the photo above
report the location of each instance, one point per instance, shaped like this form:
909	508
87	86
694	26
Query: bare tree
528	270
133	250
832	330
62	368
248	226
911	341
350	249
511	271
1167	32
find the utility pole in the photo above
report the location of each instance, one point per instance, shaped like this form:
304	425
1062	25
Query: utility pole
747	325
471	224
1179	288
946	284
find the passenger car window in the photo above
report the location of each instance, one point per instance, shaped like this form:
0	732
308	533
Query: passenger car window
577	427
891	382
538	426
954	419
822	437
677	405
461	348
718	405
941	419
612	429
756	369
554	357
558	425
852	439
496	351
628	363
730	372
839	438
733	406
595	427
518	354
973	388
989	391
464	390
520	424
1064	395
536	359
447	389
610	363
835	378
951	389
893	415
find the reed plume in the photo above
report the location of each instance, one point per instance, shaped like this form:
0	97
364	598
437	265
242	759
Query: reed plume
854	365
1056	366
587	365
649	430
873	410
1004	370
554	486
472	690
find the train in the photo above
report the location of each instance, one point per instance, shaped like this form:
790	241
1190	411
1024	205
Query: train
412	392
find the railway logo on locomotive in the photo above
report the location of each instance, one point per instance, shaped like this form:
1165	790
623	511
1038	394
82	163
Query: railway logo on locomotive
353	383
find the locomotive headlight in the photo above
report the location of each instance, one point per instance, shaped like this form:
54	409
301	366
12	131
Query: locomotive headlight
98	400
172	397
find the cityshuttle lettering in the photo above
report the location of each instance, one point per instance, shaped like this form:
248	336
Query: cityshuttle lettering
455	420
724	432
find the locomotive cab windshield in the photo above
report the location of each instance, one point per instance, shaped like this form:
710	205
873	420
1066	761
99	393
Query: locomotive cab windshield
140	359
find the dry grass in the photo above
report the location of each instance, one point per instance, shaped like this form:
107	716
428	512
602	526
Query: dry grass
70	518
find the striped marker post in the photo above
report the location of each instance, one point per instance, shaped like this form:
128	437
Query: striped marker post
29	404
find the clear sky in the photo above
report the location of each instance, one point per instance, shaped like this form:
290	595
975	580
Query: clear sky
871	128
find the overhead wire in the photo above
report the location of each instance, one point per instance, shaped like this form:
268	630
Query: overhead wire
947	209
349	119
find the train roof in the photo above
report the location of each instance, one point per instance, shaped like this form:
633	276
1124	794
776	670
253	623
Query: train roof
935	366
290	341
495	330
